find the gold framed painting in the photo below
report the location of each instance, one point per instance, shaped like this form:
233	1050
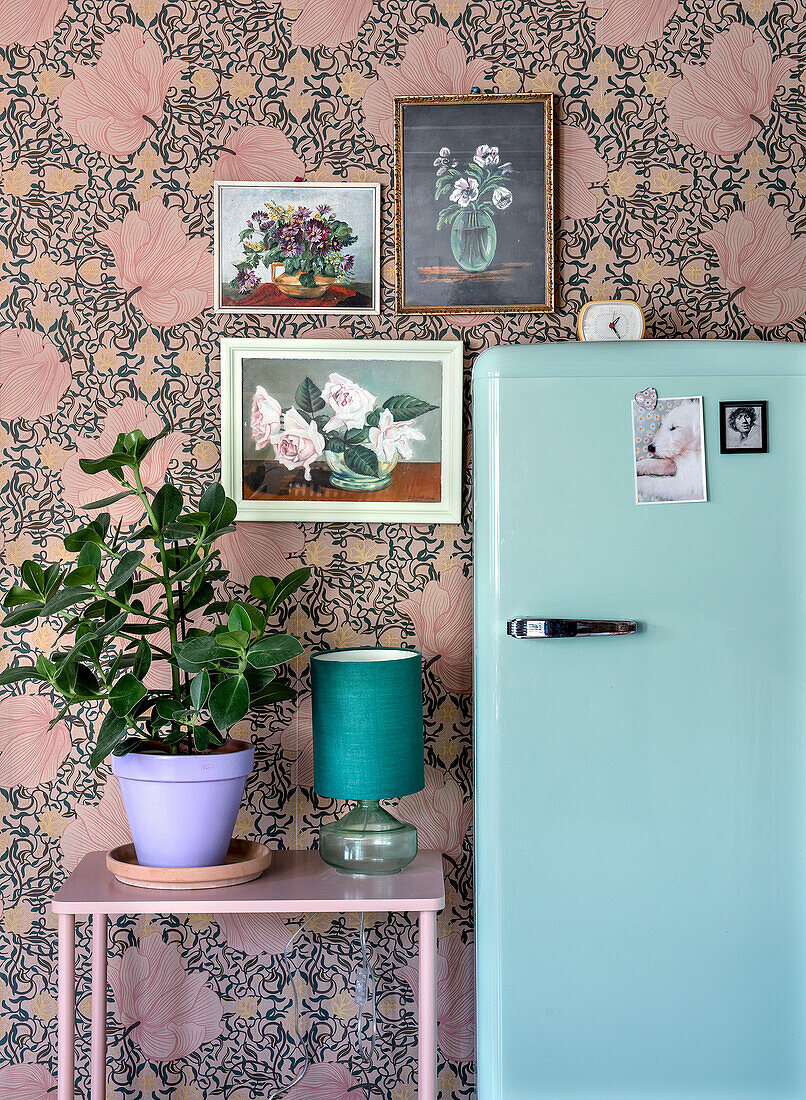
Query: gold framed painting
474	179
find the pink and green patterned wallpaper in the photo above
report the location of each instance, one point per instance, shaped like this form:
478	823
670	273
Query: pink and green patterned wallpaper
682	181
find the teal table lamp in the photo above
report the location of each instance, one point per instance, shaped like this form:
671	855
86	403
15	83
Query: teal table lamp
367	745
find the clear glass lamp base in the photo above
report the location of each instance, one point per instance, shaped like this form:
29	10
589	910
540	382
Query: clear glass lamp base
368	841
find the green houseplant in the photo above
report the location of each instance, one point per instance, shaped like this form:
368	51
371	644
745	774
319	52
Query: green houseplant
121	612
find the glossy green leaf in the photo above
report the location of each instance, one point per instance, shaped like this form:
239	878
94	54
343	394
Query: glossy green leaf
194	654
106	501
262	588
239	620
126	694
142	659
22	615
132	441
180	532
18	596
89	534
213	499
15	673
273	650
233	639
274	693
112	464
33	575
113	730
167	505
361	460
405	407
200	688
124	570
229	701
68	597
90	556
288	585
195	519
76	578
217	532
143	447
87	686
52	578
226	515
111	626
45	667
201	738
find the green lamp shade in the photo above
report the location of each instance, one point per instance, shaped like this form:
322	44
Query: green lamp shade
367	723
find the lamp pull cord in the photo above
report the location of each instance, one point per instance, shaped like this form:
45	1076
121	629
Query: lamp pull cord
364	992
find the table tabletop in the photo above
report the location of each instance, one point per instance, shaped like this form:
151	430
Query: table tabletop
296	882
412	482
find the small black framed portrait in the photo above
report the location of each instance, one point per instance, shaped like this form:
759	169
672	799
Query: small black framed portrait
743	427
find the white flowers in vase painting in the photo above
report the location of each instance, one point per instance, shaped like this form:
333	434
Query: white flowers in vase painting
476	193
342	424
479	184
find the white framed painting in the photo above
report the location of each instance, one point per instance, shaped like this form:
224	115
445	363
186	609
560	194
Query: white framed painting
297	247
342	430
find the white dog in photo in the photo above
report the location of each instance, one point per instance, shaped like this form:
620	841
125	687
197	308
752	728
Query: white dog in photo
675	470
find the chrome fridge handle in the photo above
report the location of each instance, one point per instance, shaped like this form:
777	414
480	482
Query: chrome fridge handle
567	628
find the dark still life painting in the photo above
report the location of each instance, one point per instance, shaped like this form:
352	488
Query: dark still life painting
475	230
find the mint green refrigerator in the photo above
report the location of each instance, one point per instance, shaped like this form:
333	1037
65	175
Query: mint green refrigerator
640	857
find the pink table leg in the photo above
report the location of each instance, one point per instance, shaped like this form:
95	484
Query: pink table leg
67	1005
427	1036
98	1074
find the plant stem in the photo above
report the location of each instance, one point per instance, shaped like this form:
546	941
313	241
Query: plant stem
166	576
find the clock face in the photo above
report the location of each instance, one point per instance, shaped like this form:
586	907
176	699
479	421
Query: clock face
615	320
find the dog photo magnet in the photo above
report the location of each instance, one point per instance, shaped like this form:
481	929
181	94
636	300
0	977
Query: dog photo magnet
668	439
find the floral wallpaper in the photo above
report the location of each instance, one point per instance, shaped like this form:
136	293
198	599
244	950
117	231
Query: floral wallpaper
681	181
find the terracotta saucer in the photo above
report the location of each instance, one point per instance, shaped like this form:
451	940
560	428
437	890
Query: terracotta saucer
246	859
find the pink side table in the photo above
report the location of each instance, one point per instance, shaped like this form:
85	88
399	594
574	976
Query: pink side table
297	882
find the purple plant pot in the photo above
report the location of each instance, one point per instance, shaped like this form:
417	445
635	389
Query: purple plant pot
182	809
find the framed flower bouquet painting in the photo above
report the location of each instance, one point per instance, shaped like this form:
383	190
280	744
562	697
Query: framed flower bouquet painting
350	430
297	247
475	203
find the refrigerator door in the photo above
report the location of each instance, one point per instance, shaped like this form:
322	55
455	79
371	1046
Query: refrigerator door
640	870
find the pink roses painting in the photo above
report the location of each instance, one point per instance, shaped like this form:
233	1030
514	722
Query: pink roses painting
30	750
33	375
115	105
761	263
299	443
721	106
167	275
172	1011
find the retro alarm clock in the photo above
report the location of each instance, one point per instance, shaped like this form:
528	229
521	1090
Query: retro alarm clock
613	320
